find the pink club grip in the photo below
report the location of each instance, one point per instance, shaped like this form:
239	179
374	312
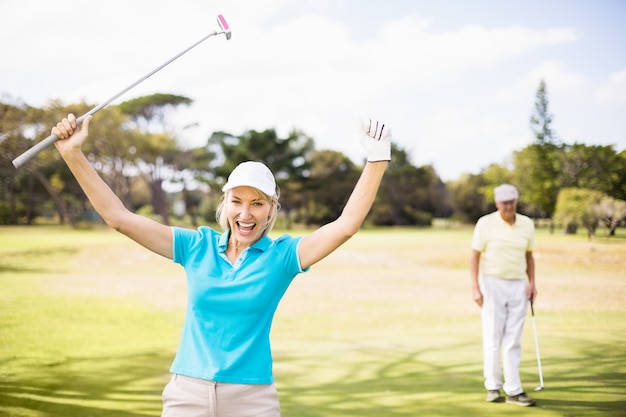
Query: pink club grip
224	25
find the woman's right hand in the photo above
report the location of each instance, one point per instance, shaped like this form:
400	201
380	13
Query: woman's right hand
70	135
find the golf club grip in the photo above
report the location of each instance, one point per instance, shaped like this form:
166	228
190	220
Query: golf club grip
34	151
222	22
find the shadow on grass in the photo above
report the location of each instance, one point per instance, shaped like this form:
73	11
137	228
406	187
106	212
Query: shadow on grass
377	382
21	261
404	385
12	269
128	386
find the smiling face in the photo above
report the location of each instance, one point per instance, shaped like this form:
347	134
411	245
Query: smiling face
507	210
248	213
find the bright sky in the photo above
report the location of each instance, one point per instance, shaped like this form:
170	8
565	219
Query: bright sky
455	79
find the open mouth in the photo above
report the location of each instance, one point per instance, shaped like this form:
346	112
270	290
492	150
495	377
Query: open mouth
246	227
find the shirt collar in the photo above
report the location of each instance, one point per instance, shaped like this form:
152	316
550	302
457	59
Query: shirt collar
505	222
262	244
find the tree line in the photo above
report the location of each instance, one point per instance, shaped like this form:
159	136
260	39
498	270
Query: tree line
144	160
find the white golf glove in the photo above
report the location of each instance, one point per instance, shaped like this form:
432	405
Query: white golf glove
376	140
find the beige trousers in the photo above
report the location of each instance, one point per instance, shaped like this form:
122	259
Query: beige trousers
184	396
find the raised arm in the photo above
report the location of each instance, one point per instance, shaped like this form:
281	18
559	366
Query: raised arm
319	244
146	232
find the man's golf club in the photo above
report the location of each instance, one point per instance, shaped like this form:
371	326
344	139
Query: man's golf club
532	311
30	153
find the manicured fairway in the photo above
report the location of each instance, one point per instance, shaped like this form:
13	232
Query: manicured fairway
89	323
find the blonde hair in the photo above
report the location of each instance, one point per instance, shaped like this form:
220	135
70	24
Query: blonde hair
222	219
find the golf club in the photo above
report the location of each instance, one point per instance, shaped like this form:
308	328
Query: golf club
532	311
33	151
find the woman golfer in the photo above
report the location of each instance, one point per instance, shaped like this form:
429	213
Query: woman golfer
235	279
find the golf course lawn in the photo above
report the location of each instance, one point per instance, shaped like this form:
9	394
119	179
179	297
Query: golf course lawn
385	326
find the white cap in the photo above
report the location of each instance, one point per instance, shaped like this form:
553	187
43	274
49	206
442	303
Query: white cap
505	192
252	174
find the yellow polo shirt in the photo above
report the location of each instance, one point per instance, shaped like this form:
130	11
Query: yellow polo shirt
503	246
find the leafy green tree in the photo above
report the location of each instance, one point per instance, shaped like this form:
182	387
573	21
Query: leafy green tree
439	202
42	181
150	113
112	149
493	176
409	195
330	181
579	207
13	117
619	172
287	157
469	197
612	212
155	158
537	168
192	171
157	150
590	166
541	118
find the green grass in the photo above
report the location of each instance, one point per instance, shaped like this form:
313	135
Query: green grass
385	326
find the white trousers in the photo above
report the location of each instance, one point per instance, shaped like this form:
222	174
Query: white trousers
503	313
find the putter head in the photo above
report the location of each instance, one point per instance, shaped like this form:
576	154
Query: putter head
539	389
224	26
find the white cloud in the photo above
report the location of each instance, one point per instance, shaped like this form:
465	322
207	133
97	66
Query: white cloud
458	97
613	91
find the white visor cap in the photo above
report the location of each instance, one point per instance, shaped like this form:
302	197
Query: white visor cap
252	174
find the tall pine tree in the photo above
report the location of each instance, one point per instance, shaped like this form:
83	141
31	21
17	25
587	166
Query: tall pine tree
538	165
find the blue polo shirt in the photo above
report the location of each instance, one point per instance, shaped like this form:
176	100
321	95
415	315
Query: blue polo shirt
226	334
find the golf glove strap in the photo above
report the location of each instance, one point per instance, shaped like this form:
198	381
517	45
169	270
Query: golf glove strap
376	140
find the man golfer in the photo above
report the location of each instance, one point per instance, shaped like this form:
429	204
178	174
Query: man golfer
502	247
